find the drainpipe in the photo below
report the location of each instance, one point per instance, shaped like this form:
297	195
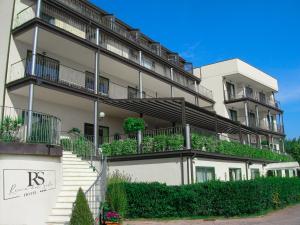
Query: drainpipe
187	137
140	76
172	78
187	170
96	78
181	169
33	65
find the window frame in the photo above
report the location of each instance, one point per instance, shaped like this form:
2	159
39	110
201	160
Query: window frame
235	169
205	170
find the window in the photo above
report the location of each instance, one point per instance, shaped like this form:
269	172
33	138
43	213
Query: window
103	83
249	92
103	133
134	93
45	67
270	122
278	173
262	97
204	174
255	173
287	173
252	122
230	91
233	114
235	174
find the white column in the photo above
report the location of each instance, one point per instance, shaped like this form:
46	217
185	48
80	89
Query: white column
246	113
96	91
196	89
140	76
172	78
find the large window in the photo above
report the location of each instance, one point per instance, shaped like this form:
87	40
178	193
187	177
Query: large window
233	114
204	174
235	174
255	173
230	91
103	83
134	93
45	67
103	133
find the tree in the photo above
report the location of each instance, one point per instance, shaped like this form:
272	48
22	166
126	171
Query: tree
81	214
293	148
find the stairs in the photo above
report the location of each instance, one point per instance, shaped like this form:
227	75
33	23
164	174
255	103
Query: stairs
76	173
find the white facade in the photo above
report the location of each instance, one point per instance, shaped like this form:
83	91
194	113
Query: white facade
246	94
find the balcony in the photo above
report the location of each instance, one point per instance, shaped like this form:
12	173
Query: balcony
263	124
61	19
51	70
256	96
13	127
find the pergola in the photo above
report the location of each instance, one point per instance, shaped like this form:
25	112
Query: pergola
178	110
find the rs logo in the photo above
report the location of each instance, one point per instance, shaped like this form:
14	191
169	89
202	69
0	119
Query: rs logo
36	177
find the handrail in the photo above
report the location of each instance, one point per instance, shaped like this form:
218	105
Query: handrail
84	148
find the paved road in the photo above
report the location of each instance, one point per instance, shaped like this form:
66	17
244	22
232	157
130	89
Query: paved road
288	216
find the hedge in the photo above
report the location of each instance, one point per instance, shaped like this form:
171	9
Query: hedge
216	198
161	143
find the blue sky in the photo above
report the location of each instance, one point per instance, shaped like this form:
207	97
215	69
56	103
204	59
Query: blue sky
264	33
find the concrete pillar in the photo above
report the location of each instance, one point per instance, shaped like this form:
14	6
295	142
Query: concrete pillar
246	113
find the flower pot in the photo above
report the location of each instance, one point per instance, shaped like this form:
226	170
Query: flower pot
112	223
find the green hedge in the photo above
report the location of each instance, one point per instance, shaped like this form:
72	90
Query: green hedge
155	200
161	143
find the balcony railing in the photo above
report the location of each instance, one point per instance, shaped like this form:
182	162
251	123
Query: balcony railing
263	124
13	127
59	18
52	70
229	96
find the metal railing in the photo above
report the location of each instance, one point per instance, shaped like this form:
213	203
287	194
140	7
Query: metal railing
14	122
95	194
59	18
83	147
255	96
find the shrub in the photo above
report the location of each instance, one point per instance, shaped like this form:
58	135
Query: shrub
132	124
215	198
116	194
9	128
81	213
175	142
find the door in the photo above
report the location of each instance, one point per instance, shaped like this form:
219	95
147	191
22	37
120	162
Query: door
252	122
230	91
103	133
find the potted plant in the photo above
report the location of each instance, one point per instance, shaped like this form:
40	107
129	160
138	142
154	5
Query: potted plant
112	218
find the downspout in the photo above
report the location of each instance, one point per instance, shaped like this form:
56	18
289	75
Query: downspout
192	168
187	170
181	168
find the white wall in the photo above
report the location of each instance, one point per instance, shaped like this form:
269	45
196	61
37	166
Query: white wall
165	170
34	208
6	13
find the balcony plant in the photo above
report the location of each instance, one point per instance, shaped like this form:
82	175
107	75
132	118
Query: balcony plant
132	125
9	129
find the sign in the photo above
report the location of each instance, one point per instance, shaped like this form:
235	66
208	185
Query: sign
19	183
